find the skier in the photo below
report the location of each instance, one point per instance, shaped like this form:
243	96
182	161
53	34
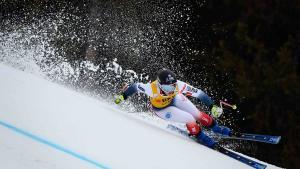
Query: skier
168	101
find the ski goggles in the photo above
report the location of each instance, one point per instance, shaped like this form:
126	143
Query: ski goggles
167	88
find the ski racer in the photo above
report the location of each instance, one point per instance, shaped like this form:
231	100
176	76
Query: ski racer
169	102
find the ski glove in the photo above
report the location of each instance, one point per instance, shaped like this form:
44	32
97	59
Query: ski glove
119	99
216	111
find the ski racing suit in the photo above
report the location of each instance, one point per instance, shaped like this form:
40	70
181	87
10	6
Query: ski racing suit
177	107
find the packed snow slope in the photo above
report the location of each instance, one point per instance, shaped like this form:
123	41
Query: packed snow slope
46	126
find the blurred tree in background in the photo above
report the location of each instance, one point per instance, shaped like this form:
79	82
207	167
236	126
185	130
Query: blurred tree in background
260	50
246	51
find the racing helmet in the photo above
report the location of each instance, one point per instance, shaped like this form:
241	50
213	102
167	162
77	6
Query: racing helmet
166	81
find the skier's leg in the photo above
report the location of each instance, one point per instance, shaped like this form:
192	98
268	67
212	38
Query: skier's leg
183	103
172	113
193	128
209	122
175	114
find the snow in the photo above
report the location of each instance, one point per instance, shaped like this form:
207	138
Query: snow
53	127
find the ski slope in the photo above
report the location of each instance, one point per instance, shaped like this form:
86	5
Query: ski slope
46	126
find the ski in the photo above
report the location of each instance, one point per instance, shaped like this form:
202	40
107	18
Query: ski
256	137
178	130
241	136
222	150
240	158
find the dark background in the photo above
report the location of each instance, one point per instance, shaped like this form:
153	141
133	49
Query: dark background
244	51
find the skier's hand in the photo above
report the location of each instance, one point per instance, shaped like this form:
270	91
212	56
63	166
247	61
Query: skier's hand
119	99
216	111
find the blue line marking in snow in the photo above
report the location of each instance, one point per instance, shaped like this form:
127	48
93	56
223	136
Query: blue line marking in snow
53	145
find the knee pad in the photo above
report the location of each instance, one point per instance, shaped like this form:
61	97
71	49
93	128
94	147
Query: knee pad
193	128
205	119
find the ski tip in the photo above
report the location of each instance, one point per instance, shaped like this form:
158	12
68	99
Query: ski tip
278	139
275	139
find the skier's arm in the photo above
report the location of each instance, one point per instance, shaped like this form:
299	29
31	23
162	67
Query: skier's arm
203	97
132	89
197	93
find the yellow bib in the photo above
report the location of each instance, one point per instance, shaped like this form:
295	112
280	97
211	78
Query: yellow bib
158	100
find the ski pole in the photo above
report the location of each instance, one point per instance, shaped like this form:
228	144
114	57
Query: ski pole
227	104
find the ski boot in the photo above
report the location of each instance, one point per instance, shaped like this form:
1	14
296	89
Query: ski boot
223	130
206	140
196	132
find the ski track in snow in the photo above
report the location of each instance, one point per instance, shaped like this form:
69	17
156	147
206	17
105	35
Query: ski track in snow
46	126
